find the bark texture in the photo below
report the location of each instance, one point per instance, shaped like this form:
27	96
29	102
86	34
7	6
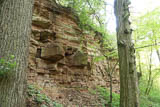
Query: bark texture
129	96
15	25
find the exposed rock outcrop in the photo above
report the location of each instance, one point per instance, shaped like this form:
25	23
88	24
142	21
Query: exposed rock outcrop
61	56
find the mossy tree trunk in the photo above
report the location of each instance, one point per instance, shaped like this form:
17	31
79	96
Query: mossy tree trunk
129	96
15	27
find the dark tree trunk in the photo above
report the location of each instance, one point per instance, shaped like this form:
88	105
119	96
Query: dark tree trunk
15	25
129	95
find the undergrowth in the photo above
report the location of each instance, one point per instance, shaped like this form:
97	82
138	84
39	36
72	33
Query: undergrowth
7	66
151	100
40	98
104	93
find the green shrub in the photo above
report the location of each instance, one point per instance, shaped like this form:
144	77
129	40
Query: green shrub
6	66
151	100
44	105
105	94
55	104
40	98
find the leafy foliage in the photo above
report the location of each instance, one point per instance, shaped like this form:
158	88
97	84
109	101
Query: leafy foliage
147	40
55	104
104	93
91	14
147	29
151	100
6	66
40	98
92	17
87	10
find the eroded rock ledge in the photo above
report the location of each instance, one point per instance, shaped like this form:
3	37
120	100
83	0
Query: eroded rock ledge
61	56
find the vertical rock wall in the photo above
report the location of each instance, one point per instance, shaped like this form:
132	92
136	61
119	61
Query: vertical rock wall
60	52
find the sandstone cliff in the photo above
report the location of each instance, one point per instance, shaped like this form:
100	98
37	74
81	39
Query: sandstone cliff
61	56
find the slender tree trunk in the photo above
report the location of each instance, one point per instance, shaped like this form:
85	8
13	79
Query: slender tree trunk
111	71
139	74
158	54
110	102
139	62
157	50
15	25
149	89
129	95
150	79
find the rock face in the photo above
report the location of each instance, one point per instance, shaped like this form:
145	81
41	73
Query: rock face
61	53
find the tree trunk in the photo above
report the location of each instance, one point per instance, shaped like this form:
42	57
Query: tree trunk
157	50
139	74
110	100
129	95
15	27
150	79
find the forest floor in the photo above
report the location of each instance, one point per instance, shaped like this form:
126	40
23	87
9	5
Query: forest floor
68	97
